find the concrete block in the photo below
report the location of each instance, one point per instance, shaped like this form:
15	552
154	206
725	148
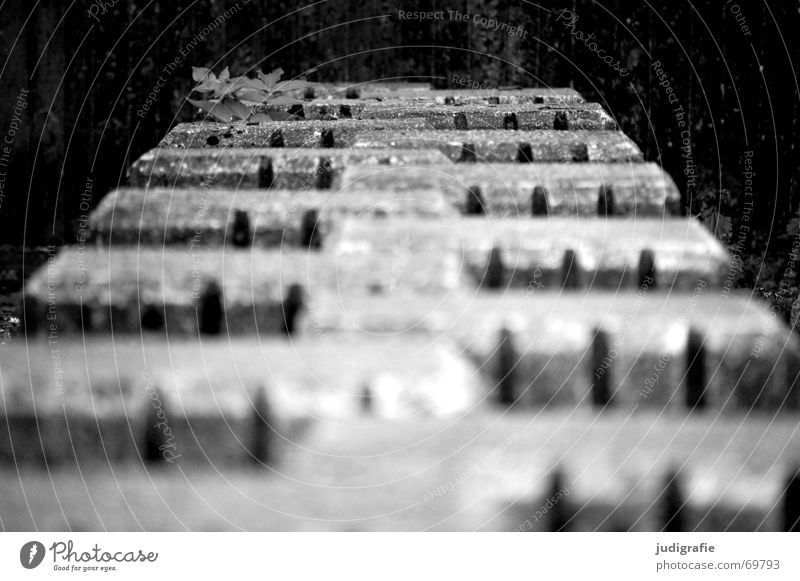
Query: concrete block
317	134
539	189
223	402
550	253
193	216
419	93
510	146
581	116
183	291
681	351
280	168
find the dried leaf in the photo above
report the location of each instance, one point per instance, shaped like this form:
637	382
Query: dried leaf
225	74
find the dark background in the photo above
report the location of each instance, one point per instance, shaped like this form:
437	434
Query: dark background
88	76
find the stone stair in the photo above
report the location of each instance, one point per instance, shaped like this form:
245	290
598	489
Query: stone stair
406	261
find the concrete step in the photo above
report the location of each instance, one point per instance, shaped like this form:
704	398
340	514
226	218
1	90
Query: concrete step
486	471
419	93
192	216
586	116
509	146
281	168
698	350
185	291
211	290
247	289
368	90
93	400
515	190
550	253
318	134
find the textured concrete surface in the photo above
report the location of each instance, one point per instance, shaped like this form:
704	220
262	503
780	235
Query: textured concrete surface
511	190
477	473
264	167
587	116
318	134
275	218
94	409
420	93
748	362
608	253
100	289
97	289
510	296
398	257
498	146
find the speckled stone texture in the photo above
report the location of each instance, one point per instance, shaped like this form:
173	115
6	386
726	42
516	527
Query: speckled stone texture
552	335
589	116
505	190
503	257
278	168
99	289
420	93
507	253
208	390
318	134
275	218
498	146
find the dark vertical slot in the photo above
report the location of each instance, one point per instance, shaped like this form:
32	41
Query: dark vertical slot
673	505
505	368
460	121
524	153
571	273
326	139
510	121
561	121
310	235
242	236
539	202
291	307
602	364
494	277
211	309
695	371
468	153
474	205
605	201
324	174
647	269
276	138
